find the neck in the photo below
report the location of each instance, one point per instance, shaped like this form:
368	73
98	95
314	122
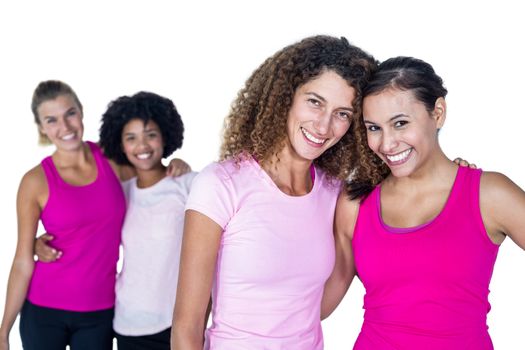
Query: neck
290	173
148	178
434	172
67	158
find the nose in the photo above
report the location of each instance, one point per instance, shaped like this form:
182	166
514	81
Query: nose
143	142
64	124
323	122
388	142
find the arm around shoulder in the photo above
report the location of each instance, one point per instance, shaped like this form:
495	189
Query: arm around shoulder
502	205
344	270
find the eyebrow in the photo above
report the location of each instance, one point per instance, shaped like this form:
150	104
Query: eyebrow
397	116
350	109
144	131
150	129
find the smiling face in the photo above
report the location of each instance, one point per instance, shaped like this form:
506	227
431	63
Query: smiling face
142	144
401	131
320	115
60	120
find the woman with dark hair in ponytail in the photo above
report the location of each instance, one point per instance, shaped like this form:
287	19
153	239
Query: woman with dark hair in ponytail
422	234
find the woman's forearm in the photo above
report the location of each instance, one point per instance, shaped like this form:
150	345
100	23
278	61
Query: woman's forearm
18	283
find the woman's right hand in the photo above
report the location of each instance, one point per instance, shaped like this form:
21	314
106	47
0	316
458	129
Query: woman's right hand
45	252
4	342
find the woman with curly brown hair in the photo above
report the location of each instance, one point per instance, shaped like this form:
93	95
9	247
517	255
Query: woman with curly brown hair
258	225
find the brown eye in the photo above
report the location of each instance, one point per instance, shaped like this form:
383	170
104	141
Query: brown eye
344	115
314	101
400	123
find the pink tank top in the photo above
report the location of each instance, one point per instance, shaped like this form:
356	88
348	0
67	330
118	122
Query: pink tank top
86	222
426	287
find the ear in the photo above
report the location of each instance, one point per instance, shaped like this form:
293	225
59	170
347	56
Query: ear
440	112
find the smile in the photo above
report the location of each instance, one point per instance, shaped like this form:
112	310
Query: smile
398	158
68	137
143	156
312	138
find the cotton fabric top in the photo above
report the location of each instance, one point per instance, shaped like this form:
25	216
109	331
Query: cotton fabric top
276	253
86	222
151	240
426	287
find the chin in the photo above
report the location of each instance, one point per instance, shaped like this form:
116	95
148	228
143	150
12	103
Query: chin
401	172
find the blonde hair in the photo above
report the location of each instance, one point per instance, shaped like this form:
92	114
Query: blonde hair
45	91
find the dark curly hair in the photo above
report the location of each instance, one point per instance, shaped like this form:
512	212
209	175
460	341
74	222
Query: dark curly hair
145	106
256	124
50	90
400	73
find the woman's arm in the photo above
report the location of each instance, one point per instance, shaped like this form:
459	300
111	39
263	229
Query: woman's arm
344	271
200	246
175	168
502	205
29	199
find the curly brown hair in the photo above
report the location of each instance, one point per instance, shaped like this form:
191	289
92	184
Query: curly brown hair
370	170
256	124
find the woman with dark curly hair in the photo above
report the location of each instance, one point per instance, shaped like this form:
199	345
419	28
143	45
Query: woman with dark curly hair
141	130
258	225
423	236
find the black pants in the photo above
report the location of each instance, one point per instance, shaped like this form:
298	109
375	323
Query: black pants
158	341
43	328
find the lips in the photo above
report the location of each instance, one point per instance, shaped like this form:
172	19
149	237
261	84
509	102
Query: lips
143	156
68	137
398	158
312	138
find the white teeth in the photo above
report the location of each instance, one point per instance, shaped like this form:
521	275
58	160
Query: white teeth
312	137
68	137
400	156
144	155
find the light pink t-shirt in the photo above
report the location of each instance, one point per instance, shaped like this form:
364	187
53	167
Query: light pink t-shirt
275	255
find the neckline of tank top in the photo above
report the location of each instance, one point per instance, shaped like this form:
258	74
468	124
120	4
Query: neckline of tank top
97	164
414	229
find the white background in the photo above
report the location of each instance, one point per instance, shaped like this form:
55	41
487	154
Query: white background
200	53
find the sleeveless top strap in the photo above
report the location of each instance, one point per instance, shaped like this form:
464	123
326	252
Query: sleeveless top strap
51	172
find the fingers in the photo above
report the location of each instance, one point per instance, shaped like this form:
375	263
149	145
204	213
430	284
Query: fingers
463	162
48	255
46	237
177	167
43	251
459	161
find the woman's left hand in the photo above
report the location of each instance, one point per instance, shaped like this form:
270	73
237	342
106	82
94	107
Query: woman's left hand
463	162
177	167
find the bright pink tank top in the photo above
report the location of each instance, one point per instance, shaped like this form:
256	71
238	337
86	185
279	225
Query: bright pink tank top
426	287
86	222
